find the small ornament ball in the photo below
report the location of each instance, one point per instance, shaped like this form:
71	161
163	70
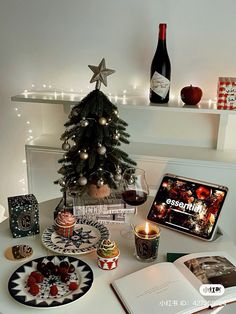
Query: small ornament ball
116	136
118	177
100	183
62	183
82	181
65	145
131	181
84	123
101	150
74	113
83	155
102	121
118	170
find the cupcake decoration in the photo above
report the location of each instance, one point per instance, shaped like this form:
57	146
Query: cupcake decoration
108	255
65	223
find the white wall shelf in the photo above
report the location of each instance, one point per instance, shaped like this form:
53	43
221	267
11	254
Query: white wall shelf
129	101
195	133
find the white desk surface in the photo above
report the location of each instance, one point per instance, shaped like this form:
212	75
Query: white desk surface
100	298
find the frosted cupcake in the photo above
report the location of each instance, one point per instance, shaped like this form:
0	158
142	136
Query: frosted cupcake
65	223
108	255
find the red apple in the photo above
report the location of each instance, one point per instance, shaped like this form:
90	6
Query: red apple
191	95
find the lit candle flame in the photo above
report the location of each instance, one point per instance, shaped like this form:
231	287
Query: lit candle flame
147	228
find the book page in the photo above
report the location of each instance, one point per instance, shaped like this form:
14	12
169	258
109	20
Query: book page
160	286
210	268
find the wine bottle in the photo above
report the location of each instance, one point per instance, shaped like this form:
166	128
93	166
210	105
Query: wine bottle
160	70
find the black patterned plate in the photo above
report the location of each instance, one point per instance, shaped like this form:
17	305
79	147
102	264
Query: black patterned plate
82	275
87	236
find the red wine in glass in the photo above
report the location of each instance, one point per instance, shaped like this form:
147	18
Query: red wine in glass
134	198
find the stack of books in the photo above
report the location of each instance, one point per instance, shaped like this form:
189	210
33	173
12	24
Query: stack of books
110	210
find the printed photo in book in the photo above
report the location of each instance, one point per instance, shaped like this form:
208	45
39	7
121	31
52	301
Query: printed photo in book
175	288
213	270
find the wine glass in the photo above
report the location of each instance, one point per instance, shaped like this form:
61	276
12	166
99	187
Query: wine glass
134	192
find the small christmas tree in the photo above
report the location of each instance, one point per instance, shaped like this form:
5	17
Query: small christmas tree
93	161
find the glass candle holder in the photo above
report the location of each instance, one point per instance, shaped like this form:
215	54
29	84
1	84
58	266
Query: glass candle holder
146	242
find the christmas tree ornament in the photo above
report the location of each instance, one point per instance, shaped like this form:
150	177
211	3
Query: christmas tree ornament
82	180
118	177
66	146
101	150
100	74
83	155
84	123
100	182
102	121
115	112
116	136
62	183
131	180
74	113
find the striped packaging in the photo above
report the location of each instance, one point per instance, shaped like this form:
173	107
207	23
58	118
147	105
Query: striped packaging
226	93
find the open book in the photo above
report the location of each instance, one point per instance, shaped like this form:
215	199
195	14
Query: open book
175	287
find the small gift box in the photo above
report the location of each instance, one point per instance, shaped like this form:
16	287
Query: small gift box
226	93
23	215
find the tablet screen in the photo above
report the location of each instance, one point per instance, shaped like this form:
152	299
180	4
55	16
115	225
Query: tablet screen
188	205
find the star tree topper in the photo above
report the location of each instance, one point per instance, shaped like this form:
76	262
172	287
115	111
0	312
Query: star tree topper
100	74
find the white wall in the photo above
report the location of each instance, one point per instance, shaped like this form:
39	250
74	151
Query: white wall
52	42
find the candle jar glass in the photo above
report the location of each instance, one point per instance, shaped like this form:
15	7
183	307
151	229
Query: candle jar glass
146	244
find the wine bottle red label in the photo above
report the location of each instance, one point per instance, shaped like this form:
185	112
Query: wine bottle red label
159	84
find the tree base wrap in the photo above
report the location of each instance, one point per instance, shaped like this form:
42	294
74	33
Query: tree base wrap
98	192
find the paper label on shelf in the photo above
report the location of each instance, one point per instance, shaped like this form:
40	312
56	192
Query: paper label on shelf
160	84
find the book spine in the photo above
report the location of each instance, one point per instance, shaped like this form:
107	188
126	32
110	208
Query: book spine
103	209
110	222
111	218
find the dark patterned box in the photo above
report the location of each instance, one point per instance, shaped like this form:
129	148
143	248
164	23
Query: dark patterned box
23	215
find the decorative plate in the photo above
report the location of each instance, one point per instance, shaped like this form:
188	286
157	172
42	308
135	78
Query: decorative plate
87	236
18	289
